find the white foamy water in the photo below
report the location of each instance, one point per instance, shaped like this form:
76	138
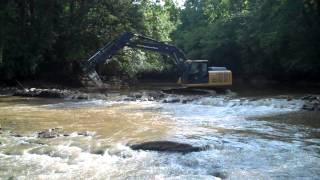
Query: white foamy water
242	145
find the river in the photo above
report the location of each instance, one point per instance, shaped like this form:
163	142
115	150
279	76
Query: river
250	136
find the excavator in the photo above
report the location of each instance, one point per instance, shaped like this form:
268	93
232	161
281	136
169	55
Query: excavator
192	73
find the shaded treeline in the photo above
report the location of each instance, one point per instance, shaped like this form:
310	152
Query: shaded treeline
277	39
274	39
46	39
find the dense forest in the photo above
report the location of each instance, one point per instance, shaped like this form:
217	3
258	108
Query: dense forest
277	39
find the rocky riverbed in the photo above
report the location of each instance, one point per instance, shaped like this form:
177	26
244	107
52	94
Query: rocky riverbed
311	102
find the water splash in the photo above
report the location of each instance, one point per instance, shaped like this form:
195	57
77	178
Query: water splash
241	146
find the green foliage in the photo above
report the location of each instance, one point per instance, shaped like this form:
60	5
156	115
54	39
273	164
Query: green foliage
276	39
42	38
159	22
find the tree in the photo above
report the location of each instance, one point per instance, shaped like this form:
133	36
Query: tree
274	39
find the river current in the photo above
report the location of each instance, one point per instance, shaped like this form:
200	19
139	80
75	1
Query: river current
249	137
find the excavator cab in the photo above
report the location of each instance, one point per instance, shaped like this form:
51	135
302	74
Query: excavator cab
196	71
198	74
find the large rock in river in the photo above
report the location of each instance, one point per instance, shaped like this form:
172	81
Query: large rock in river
50	133
167	146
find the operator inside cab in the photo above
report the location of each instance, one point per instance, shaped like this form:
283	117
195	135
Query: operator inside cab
197	71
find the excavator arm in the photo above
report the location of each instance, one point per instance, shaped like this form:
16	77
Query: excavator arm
131	40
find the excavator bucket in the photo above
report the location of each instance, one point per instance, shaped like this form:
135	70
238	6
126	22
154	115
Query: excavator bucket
94	77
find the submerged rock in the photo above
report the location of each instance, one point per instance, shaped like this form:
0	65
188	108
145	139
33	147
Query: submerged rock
167	146
171	100
42	150
16	135
85	133
98	151
220	174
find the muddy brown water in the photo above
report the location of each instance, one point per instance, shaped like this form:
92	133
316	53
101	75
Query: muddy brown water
261	136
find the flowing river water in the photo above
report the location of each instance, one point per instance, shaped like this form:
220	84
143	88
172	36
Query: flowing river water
249	137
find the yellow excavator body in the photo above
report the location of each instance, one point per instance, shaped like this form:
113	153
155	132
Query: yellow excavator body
199	75
218	79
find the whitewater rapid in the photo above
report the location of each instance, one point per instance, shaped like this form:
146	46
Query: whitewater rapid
243	145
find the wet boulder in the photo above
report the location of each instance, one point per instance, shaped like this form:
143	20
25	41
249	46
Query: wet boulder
129	99
179	99
311	106
155	95
25	93
46	93
146	96
311	98
80	96
220	174
312	103
50	133
171	100
190	99
167	146
133	96
136	95
52	94
97	96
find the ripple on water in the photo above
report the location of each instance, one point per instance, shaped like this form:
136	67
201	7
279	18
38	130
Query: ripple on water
241	145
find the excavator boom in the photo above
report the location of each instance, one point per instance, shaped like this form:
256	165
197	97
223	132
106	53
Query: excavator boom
191	71
134	41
